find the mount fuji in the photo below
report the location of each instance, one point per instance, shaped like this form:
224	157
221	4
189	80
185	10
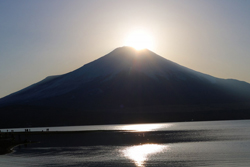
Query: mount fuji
126	86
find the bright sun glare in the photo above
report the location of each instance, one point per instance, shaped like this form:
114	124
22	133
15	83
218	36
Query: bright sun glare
139	154
139	40
143	127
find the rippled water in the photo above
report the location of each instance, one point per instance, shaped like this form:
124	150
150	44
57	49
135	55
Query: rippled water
217	144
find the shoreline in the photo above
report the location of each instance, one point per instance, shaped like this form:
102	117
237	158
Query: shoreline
7	146
53	139
56	138
8	140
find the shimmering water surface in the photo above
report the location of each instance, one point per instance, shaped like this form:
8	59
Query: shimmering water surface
188	144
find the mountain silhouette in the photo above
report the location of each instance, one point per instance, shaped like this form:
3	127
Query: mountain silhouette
126	86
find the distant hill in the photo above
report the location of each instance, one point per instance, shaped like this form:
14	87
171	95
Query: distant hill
126	86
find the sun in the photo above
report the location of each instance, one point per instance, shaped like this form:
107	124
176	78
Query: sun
139	40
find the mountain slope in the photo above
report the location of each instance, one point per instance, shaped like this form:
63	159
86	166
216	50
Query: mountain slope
124	81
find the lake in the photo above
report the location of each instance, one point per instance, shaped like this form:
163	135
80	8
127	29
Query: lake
184	144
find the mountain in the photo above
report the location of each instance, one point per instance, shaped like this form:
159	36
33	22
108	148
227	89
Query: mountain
126	86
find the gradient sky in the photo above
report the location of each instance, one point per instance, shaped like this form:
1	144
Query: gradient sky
43	37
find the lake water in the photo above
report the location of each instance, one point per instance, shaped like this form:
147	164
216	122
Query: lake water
187	144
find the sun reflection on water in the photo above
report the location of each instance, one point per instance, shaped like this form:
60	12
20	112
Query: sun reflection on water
139	154
144	127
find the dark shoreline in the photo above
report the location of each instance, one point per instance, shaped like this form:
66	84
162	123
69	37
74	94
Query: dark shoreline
10	140
6	146
53	139
49	117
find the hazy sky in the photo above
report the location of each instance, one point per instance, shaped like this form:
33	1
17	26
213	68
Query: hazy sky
39	38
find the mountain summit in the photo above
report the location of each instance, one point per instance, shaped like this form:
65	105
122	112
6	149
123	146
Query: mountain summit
134	86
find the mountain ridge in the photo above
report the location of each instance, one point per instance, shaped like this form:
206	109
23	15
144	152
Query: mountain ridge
127	80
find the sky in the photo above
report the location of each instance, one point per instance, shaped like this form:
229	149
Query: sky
43	37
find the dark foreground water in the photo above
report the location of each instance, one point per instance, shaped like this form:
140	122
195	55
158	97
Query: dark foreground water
193	144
